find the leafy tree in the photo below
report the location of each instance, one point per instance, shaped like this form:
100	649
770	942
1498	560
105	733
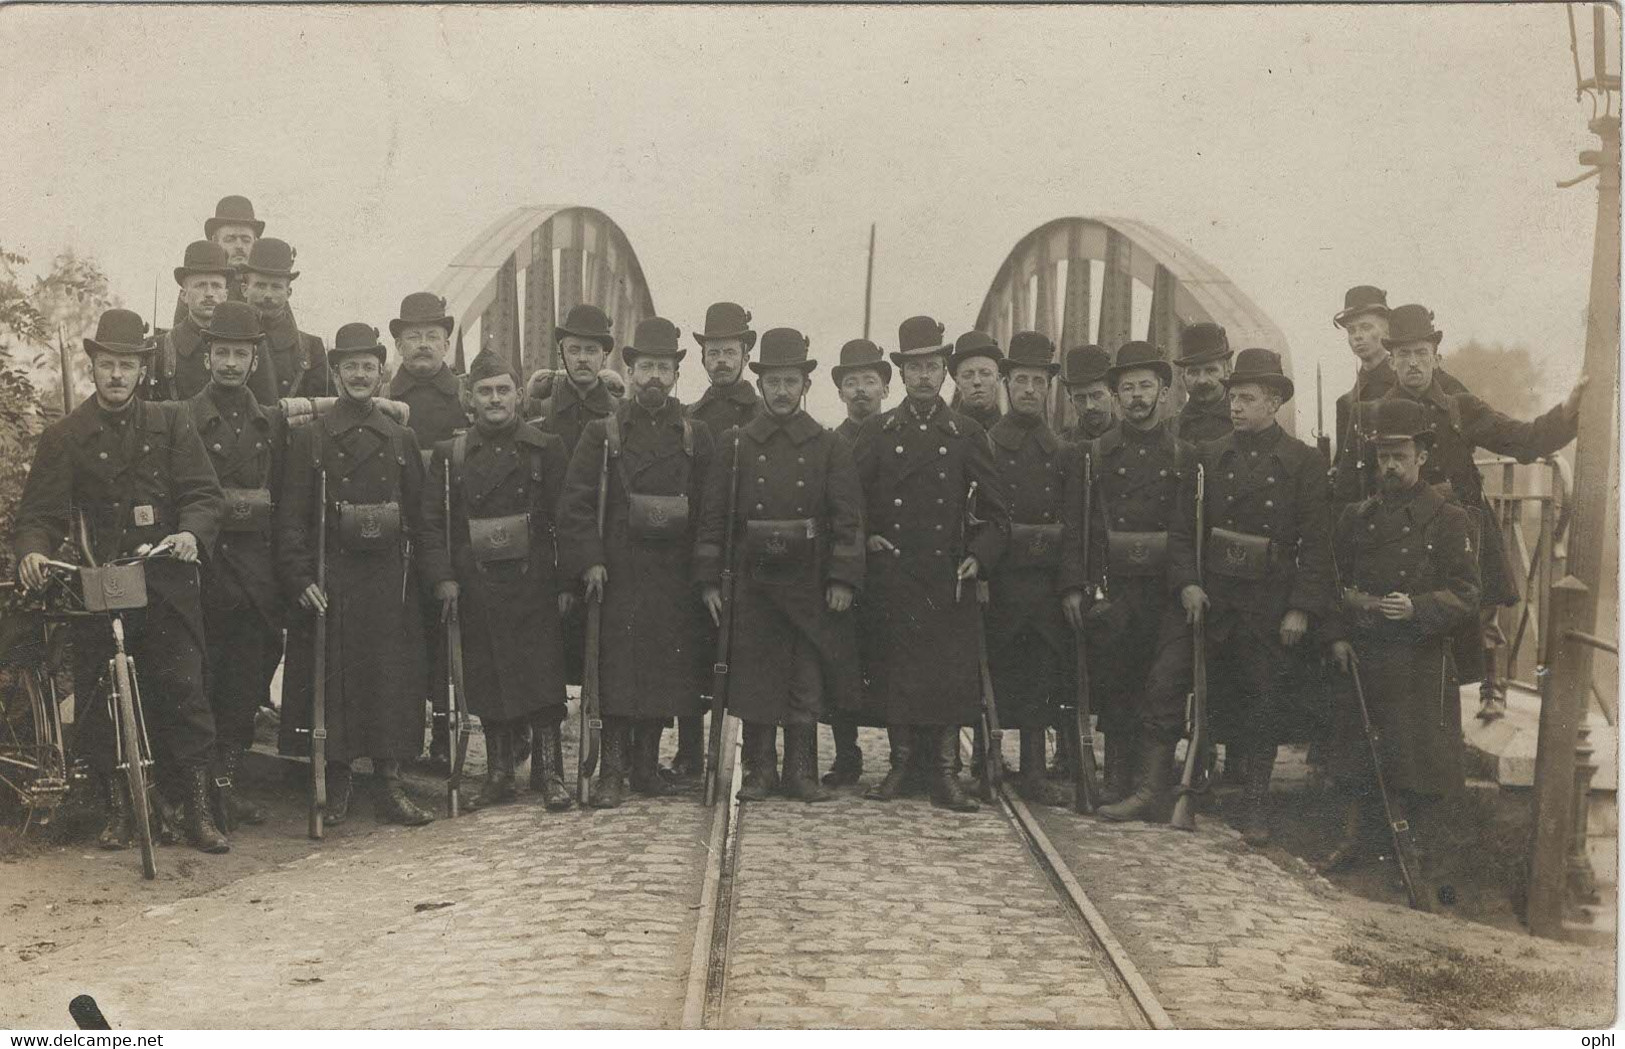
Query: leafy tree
1504	376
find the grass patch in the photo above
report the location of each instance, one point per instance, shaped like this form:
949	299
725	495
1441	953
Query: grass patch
1457	986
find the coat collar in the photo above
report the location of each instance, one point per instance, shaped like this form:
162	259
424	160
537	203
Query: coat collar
1264	441
206	412
1117	436
800	427
942	418
668	414
523	433
1419	507
1219	409
1011	433
186	336
282	332
443	382
597	400
344	417
741	393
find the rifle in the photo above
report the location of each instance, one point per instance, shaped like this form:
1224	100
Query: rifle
318	705
1398	827
725	622
592	722
1193	778
1085	797
67	372
456	698
1323	440
993	760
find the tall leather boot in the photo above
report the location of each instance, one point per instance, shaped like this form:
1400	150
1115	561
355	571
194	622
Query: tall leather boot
801	764
340	789
498	786
609	790
118	828
233	808
1255	820
646	777
761	777
690	759
901	738
923	756
1121	745
848	766
1150	800
1033	784
1350	846
547	763
201	833
391	804
945	788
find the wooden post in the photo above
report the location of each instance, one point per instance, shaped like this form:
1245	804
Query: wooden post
1575	597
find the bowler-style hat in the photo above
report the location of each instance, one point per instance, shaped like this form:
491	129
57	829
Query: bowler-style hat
919	337
422	307
1142	355
974	344
858	354
356	337
1362	298
272	257
586	321
1411	323
120	331
784	348
1030	349
1394	420
233	322
1261	366
1083	365
203	256
727	320
1202	343
655	337
233	211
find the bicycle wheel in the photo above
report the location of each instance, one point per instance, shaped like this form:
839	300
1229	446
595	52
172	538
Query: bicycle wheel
129	727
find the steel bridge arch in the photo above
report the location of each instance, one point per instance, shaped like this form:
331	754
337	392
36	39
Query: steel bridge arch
1046	283
528	268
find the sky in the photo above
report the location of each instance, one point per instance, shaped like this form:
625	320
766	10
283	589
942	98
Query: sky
745	151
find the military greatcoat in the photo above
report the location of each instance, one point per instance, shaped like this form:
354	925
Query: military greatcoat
180	369
243	608
1200	423
297	360
1138	480
136	476
375	671
801	476
1417	544
436	404
513	654
720	407
916	466
1265	486
1032	651
654	651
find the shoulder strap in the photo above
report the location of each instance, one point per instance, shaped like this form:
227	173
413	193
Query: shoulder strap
169	360
612	434
688	437
459	455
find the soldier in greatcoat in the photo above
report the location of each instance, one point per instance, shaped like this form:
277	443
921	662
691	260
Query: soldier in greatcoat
1204	362
1409	580
124	474
1117	591
243	608
434	394
798	562
863	379
1083	377
1032	653
929	544
974	367
1268	573
730	400
375	677
654	646
296	360
500	572
180	368
235	230
1463	424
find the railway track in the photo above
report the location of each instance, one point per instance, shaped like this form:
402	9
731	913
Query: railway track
720	924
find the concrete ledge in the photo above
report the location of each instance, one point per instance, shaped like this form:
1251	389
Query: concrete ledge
1503	751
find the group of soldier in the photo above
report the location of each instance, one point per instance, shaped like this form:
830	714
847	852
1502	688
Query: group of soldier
875	574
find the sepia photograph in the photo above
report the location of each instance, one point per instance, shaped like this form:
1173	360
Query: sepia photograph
929	517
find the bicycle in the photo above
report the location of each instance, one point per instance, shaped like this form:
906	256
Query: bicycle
35	765
109	590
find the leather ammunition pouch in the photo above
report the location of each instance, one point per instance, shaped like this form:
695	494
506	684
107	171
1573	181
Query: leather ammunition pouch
365	527
781	542
657	516
114	588
1238	555
499	538
247	510
1136	553
1033	546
